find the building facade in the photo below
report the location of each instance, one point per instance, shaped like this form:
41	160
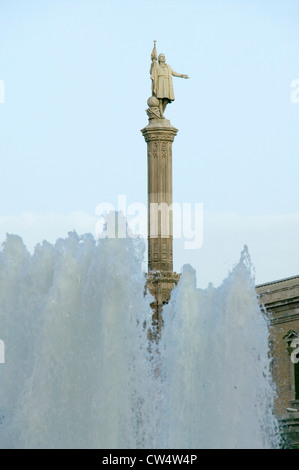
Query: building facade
281	301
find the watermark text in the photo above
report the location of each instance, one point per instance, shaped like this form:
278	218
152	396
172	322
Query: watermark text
156	220
2	352
295	353
295	92
2	91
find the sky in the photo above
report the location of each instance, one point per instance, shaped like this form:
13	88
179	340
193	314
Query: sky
75	80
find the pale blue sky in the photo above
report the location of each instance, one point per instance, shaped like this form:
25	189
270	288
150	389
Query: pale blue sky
76	77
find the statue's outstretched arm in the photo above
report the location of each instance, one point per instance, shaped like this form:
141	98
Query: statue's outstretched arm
179	75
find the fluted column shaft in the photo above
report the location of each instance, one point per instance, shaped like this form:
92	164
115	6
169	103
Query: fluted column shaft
159	136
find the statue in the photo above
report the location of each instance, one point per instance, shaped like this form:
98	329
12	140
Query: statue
162	87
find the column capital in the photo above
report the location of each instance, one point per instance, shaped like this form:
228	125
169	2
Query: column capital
159	129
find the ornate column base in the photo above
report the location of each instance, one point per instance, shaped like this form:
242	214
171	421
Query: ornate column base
160	285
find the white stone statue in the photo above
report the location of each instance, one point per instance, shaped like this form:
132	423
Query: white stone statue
161	75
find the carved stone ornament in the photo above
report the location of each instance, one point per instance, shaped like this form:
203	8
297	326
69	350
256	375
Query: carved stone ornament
289	338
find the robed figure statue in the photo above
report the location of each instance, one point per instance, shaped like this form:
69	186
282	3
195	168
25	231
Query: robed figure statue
161	75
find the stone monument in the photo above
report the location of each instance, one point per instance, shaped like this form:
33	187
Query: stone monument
159	135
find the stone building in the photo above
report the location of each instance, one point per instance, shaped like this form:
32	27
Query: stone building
281	301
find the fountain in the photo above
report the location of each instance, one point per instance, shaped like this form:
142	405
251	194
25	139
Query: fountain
79	372
216	367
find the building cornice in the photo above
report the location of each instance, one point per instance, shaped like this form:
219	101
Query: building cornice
293	278
280	299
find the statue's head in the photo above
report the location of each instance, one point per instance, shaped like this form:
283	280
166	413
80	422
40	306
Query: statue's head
161	58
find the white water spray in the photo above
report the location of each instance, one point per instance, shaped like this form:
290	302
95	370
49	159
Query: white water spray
217	391
78	372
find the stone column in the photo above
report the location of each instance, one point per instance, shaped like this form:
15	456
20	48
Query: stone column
159	135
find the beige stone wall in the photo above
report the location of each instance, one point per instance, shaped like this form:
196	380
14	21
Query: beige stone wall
282	367
281	300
